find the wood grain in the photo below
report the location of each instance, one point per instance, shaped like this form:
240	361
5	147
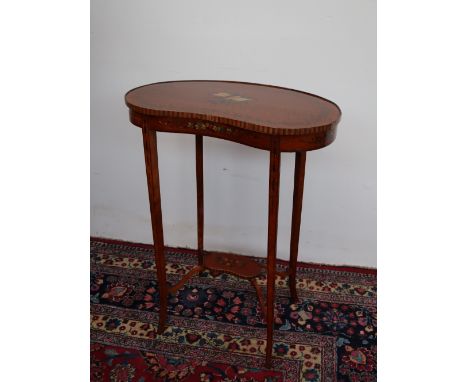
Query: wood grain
299	173
273	203
303	119
200	210
152	176
237	265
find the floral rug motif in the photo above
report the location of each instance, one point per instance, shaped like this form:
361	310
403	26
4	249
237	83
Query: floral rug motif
216	331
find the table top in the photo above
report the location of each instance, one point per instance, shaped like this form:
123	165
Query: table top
261	108
262	116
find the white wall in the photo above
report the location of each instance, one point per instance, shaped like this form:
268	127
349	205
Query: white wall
327	47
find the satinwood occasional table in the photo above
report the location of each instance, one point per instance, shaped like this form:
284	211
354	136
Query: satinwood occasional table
261	116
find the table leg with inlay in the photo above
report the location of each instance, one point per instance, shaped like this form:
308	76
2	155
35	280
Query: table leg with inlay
299	172
199	176
154	193
273	202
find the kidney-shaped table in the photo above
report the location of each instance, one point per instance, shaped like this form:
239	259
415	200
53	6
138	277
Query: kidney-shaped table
261	116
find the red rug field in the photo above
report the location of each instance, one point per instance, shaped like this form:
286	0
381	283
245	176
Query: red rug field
215	329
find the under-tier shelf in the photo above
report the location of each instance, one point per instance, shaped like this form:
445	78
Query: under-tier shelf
238	265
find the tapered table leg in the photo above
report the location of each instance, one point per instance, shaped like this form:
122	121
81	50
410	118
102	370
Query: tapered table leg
152	175
275	156
199	175
296	220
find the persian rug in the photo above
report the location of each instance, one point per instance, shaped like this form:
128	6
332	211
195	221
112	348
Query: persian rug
216	331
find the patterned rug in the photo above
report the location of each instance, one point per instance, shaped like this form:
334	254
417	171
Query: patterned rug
215	329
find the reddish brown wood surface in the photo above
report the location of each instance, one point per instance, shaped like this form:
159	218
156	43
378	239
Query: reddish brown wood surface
299	173
237	265
185	278
261	116
273	202
199	177
241	112
152	175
